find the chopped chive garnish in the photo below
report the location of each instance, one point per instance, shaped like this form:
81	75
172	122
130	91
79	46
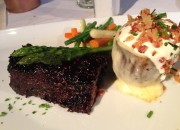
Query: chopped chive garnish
171	54
159	16
173	26
153	12
20	109
174	46
3	114
161	24
24	104
43	113
166	43
159	33
10	107
45	105
165	33
134	33
7	99
34	112
30	102
17	97
150	113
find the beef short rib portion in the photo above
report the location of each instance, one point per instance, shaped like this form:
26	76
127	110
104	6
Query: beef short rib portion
72	84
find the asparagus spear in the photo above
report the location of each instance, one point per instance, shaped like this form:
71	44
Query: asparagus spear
109	21
52	55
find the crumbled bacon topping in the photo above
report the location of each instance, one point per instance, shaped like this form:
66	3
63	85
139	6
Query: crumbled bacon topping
129	38
152	29
142	48
154	53
146	18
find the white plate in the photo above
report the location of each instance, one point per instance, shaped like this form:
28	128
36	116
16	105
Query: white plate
114	110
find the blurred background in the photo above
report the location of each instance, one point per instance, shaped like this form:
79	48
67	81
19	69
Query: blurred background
61	10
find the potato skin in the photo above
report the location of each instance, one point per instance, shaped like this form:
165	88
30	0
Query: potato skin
133	69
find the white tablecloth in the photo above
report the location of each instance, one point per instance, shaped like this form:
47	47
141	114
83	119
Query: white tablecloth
61	10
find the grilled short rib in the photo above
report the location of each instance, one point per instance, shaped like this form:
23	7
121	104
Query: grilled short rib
72	84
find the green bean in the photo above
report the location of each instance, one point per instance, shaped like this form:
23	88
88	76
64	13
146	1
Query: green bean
79	37
109	21
77	44
90	26
76	38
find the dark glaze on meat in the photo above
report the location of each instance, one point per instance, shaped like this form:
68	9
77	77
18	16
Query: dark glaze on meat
73	84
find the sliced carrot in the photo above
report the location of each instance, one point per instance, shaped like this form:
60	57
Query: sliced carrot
94	43
68	35
111	26
98	42
74	31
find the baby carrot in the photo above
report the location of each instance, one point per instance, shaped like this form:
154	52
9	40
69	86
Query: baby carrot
99	42
111	26
74	32
68	35
94	43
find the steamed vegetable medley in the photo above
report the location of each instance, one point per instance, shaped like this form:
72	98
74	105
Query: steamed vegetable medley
91	35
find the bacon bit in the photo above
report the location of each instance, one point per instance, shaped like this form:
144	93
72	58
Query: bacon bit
130	18
137	27
100	92
154	53
155	37
129	38
162	59
167	65
136	45
142	49
146	18
157	44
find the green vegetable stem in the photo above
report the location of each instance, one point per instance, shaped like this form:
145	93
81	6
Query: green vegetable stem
52	55
83	35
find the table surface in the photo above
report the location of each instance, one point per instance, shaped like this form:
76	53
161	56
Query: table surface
61	10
